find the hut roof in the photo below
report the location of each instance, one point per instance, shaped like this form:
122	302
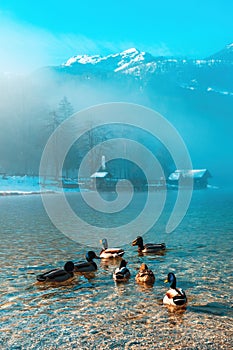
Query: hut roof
99	174
194	173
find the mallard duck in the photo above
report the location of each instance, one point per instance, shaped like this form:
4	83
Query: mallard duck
174	296
149	247
121	274
108	253
58	275
145	275
87	266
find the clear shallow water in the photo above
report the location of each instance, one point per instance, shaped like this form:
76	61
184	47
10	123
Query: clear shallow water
96	313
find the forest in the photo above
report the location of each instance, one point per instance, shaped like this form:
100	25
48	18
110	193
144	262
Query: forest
31	111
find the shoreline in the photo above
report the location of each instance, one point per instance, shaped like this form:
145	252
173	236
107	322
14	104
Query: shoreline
24	193
31	185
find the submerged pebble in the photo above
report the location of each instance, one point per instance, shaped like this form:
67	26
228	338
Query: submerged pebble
97	314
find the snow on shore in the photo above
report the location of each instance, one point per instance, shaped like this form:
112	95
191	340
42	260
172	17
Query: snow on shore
26	185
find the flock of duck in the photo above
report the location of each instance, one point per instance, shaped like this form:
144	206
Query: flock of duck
174	296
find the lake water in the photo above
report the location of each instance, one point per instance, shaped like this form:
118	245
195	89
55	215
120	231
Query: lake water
97	313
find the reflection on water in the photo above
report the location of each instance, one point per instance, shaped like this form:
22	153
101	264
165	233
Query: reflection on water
96	313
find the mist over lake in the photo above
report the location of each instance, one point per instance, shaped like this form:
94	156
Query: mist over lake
194	95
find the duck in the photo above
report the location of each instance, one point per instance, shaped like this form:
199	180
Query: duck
174	296
149	247
58	275
87	266
109	253
145	275
122	273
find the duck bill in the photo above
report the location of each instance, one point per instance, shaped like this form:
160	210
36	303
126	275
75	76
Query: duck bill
166	280
134	242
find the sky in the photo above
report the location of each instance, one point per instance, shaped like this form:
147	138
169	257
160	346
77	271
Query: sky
34	34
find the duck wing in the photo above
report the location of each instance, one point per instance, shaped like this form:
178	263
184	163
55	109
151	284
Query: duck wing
122	273
154	246
54	275
114	252
180	298
122	270
175	297
145	277
85	266
145	273
43	276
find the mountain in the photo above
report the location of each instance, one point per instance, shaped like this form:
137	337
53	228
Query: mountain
131	62
120	62
194	95
225	55
212	74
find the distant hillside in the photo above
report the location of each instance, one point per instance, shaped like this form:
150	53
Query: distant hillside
164	74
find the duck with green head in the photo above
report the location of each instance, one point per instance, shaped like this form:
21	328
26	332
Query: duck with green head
122	273
87	266
174	296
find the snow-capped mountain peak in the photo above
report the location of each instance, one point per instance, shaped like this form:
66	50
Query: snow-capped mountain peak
145	67
129	58
129	51
115	62
83	59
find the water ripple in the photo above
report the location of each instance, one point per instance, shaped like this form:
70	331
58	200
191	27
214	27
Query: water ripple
96	313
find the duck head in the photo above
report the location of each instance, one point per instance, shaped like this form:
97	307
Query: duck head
104	243
123	263
69	266
143	267
91	255
138	241
171	278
